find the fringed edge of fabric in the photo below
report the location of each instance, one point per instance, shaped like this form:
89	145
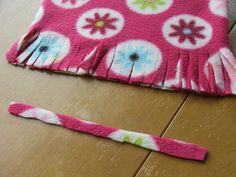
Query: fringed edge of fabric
194	71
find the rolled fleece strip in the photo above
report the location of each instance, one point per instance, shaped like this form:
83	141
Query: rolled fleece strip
167	146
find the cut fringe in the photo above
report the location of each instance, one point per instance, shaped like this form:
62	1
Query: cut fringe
196	71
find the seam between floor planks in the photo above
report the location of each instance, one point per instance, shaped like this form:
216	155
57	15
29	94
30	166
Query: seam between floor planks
162	133
232	26
174	115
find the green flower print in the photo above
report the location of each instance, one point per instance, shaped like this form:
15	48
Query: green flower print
138	141
153	4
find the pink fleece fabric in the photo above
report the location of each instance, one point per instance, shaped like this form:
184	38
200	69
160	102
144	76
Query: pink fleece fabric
168	44
168	146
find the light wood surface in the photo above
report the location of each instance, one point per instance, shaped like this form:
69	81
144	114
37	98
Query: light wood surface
34	149
205	120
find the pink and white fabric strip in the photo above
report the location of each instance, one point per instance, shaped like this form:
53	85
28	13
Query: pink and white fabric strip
168	146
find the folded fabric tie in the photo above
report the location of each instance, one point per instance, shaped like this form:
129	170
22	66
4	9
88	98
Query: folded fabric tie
168	44
168	146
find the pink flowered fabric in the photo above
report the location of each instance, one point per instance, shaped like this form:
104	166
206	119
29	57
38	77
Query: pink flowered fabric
168	44
168	146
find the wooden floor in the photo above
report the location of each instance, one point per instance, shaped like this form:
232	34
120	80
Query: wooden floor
34	149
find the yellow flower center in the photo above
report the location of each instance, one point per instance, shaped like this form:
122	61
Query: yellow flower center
100	23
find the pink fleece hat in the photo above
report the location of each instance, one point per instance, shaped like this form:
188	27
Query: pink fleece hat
168	44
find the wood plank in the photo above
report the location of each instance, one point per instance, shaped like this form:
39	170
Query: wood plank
31	148
204	120
232	12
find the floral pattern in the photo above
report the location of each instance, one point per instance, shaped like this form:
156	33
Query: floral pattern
144	4
50	47
128	139
150	42
41	114
134	138
137	57
149	7
100	23
187	31
69	4
218	7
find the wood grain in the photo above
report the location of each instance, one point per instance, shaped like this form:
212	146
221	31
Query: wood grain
232	13
204	120
207	121
31	148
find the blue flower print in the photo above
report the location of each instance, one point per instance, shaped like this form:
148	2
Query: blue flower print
48	48
138	58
